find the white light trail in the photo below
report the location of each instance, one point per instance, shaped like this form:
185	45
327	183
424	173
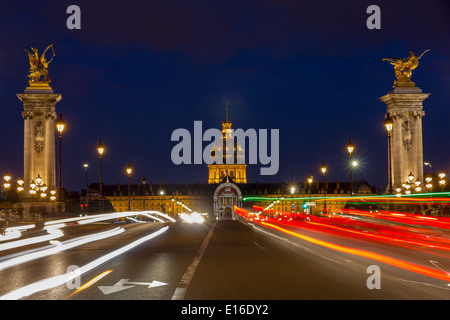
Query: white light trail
192	218
110	216
57	247
162	215
14	232
64	278
118	215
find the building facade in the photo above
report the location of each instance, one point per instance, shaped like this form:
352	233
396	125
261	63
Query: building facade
225	188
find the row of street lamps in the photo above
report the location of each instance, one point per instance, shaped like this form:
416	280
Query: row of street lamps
129	170
37	186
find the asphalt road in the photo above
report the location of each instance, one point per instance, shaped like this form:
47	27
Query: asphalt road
224	260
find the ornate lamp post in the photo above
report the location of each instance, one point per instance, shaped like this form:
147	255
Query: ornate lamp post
7	184
323	168
100	151
144	181
350	148
161	193
129	170
86	166
292	196
389	124
60	125
442	181
310	181
7	179
173	207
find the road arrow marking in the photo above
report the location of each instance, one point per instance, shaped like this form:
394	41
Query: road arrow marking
123	285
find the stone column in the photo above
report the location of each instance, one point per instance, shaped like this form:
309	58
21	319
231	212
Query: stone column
404	105
39	116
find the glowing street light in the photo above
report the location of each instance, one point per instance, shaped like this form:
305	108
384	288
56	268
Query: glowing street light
389	124
60	125
429	185
7	183
323	168
442	181
350	149
310	181
100	151
161	193
410	177
144	181
129	170
20	183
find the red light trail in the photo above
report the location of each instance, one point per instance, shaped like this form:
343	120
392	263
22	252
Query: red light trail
338	225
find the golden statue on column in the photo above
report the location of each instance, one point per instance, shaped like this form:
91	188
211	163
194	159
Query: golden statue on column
39	66
403	68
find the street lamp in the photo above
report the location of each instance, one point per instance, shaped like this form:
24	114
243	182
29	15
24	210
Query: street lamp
161	193
129	170
86	166
144	181
173	208
20	182
389	124
429	185
7	179
292	203
100	151
60	125
442	181
350	148
310	181
53	195
418	187
323	168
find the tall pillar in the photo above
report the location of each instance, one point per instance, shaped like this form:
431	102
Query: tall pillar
39	116
404	106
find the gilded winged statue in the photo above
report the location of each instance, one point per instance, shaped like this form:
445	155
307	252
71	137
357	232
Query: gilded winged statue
403	67
39	65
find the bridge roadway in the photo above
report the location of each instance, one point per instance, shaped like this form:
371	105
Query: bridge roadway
223	260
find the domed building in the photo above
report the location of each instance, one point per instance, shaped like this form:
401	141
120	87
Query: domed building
233	161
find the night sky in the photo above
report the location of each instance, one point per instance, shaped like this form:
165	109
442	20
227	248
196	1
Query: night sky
138	70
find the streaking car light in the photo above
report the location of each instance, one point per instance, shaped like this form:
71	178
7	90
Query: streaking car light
61	246
439	274
64	278
192	218
53	233
14	232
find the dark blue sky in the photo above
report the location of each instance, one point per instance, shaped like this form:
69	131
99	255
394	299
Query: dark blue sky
138	70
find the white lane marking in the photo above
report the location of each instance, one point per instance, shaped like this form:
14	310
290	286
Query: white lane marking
125	284
180	291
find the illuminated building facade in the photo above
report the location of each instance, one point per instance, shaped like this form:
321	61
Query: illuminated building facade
227	187
232	162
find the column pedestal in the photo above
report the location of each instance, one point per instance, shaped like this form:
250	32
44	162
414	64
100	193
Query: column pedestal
39	116
404	105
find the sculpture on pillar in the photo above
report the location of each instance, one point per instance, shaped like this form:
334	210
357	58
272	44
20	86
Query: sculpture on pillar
39	65
403	68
